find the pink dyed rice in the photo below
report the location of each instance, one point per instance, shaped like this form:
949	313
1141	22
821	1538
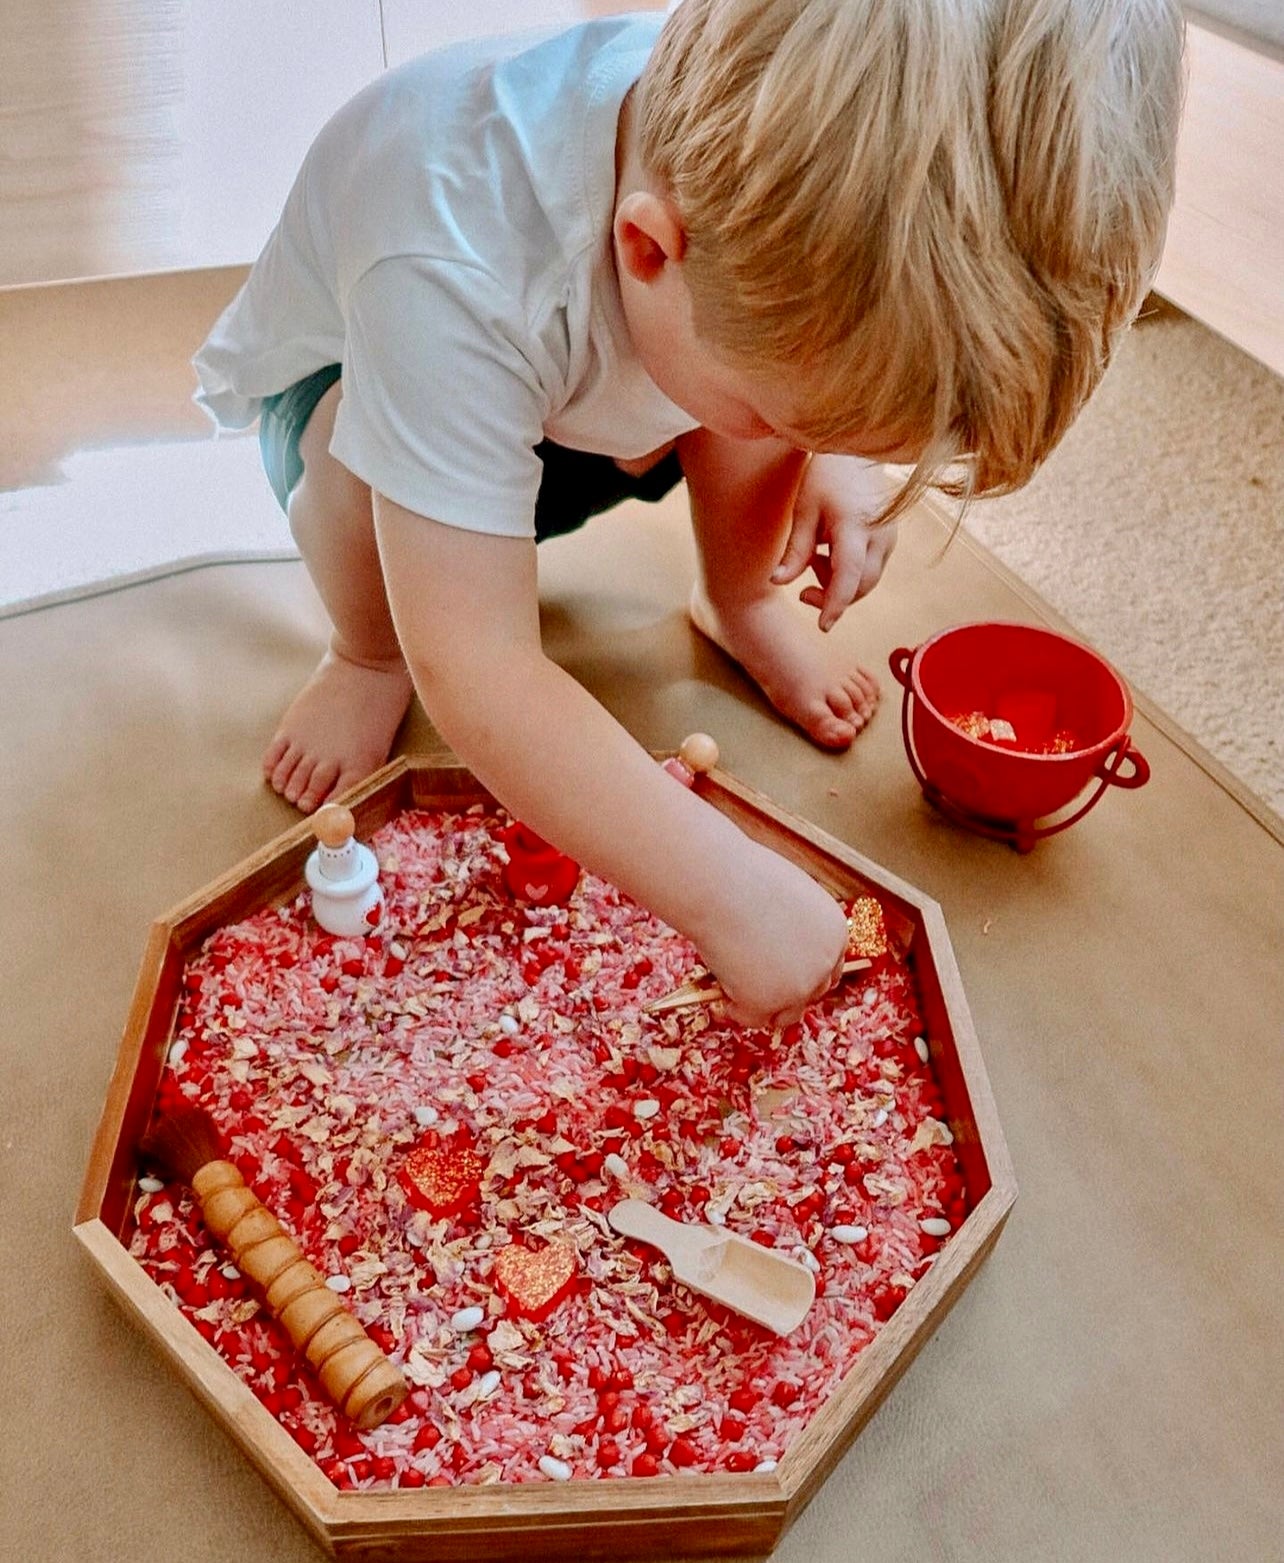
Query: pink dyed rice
312	1054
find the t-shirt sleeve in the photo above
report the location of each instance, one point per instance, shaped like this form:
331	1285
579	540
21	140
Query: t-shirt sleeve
442	407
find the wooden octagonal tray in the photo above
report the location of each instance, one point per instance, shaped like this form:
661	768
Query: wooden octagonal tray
675	1513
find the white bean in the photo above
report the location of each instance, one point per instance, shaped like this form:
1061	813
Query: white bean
150	1185
935	1226
849	1234
557	1470
510	1025
426	1115
488	1384
338	1283
920	1047
646	1108
467	1319
616	1166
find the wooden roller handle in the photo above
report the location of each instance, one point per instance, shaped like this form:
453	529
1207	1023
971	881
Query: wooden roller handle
353	1371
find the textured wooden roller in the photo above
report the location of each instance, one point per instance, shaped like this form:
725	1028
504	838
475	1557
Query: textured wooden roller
353	1371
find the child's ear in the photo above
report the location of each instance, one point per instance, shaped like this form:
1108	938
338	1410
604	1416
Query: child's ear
648	233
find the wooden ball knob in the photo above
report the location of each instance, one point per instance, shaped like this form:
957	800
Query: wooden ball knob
333	825
699	753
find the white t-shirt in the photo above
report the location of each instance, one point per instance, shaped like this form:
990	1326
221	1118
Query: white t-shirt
448	241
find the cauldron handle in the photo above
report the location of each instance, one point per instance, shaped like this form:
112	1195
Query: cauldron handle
1125	752
899	662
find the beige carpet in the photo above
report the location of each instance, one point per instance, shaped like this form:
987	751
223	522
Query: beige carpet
1157	529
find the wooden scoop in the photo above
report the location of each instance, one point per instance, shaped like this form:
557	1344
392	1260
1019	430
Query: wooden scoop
745	1276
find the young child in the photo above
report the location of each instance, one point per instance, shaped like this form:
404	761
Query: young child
762	245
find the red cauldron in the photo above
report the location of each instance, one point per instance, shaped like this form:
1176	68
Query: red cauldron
1005	724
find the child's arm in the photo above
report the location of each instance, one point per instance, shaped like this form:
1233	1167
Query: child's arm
466	610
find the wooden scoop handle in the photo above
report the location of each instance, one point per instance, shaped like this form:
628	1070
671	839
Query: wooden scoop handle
687	1247
353	1371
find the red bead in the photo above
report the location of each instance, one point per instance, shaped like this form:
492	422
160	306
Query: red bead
461	1378
784	1395
622	1379
683	1452
598	1377
347	1444
743	1399
842	1153
741	1460
412	1477
428	1437
732	1429
480	1359
608	1453
645	1464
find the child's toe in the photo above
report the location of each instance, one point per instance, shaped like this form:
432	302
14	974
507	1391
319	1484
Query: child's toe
283	771
320	784
273	755
865	681
300	779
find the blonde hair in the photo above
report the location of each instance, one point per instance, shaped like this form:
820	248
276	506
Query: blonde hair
936	217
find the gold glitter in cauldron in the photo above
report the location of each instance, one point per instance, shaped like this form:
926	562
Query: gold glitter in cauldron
974	723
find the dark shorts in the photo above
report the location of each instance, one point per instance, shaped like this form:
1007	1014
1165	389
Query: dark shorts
576	484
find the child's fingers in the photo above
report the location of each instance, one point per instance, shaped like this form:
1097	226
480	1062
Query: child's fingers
844	584
800	547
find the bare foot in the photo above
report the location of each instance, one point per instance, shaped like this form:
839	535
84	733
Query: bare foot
337	729
798	670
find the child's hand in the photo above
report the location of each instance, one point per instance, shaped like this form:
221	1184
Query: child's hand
786	950
830	532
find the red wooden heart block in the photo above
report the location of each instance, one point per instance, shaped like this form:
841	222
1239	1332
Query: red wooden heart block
534	1282
442	1176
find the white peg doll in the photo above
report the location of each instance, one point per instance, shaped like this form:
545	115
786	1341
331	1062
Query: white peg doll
343	876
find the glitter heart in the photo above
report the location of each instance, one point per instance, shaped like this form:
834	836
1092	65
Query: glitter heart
866	930
535	1281
442	1176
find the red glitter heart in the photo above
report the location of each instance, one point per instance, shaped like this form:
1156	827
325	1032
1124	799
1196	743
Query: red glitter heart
443	1176
535	1282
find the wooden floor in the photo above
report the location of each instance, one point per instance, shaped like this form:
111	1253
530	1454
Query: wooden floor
150	135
